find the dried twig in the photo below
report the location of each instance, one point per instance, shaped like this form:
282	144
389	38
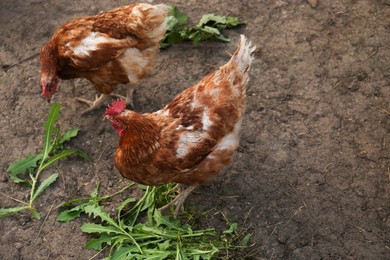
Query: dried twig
293	215
11	198
98	253
62	176
358	228
382	110
44	221
269	238
297	192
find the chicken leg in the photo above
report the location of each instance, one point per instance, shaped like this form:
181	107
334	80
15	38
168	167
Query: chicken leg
180	198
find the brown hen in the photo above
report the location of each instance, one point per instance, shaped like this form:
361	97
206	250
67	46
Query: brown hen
111	48
193	138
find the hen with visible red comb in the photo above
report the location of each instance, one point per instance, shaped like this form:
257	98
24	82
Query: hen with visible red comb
194	137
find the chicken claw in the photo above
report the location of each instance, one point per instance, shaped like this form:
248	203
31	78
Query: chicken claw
178	201
93	104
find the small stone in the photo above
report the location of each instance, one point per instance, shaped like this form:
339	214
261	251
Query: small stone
18	245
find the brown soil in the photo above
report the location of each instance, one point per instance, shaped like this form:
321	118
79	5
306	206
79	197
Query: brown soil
312	168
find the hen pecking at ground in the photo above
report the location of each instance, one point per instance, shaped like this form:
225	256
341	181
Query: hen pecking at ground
114	47
193	138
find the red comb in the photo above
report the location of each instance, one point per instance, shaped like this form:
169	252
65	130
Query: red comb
116	108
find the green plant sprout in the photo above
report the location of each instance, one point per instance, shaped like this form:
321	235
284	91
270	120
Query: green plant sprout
33	165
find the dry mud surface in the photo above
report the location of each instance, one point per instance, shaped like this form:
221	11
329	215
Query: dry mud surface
312	169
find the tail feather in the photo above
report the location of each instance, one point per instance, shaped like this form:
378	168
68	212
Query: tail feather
242	59
155	24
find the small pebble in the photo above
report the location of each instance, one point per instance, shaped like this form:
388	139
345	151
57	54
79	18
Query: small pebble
18	245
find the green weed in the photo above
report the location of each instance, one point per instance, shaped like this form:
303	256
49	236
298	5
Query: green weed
142	232
27	171
209	27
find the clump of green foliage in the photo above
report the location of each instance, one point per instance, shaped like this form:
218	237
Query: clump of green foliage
142	232
27	171
209	27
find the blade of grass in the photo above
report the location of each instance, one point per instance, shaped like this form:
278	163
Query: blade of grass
120	208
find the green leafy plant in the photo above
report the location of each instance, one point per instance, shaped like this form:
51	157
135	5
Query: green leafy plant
209	27
142	232
75	212
28	170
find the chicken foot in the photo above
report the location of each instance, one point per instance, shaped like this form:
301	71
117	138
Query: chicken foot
92	104
98	102
180	198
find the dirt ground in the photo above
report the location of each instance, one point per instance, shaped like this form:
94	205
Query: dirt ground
312	170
